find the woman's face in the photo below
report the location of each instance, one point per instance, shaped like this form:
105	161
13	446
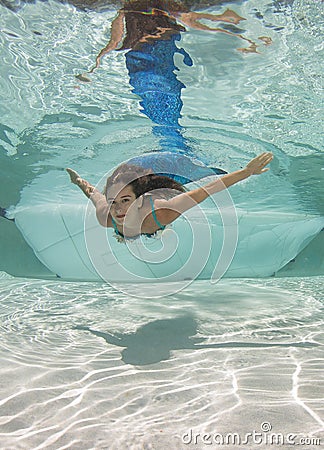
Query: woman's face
120	198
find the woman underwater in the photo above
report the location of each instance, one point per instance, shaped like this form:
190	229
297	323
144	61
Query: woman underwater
149	30
136	201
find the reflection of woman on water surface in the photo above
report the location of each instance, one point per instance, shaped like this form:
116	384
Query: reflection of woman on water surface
149	30
144	21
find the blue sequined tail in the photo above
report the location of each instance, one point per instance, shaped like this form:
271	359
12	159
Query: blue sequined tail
152	74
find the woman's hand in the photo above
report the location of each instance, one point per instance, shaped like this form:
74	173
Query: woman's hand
84	185
257	165
74	176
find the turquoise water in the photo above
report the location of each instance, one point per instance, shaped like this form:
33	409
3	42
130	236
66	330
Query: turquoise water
86	365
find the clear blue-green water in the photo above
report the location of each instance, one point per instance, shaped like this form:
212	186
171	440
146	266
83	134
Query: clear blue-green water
88	366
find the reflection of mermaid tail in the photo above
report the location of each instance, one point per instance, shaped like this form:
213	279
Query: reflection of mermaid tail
175	165
151	71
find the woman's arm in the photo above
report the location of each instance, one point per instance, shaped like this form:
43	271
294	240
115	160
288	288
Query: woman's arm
169	210
96	197
191	18
116	35
102	208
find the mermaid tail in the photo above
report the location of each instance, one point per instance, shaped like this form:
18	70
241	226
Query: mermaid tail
152	74
151	71
181	168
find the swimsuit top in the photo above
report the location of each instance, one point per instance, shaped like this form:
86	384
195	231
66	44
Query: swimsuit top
121	238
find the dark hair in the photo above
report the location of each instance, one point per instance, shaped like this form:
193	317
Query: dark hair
142	180
146	19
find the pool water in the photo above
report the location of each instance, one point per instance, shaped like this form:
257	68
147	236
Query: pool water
87	365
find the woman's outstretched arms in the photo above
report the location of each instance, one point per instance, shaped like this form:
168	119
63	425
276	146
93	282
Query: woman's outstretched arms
96	197
168	210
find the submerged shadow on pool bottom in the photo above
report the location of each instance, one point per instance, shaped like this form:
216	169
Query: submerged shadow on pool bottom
153	342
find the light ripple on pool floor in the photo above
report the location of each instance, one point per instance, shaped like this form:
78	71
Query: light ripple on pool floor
84	366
